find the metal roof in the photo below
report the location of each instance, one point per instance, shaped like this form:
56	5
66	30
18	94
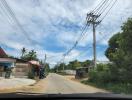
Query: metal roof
2	53
7	60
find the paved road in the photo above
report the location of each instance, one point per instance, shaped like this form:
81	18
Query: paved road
59	84
54	84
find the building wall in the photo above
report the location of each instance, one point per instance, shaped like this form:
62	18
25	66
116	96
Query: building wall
2	68
70	72
21	70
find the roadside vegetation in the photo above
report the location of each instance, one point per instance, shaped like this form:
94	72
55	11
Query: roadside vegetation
32	55
117	76
73	65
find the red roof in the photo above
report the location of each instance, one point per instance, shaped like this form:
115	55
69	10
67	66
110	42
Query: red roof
33	62
2	53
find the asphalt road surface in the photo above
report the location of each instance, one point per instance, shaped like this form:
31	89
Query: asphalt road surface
60	84
55	84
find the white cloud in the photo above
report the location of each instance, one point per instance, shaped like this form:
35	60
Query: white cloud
43	18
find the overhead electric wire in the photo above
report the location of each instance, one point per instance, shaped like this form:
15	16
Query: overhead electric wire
109	10
14	17
4	13
101	7
97	6
82	34
98	10
107	5
77	41
12	14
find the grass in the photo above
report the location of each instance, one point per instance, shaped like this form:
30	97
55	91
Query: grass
125	88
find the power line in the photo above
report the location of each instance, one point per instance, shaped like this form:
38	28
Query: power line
101	7
3	12
87	18
12	14
97	6
14	17
91	18
107	5
109	10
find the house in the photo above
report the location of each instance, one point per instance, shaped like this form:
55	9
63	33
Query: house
34	68
6	64
2	53
18	68
22	68
70	72
26	69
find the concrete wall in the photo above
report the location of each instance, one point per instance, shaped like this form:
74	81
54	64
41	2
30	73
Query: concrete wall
21	70
70	72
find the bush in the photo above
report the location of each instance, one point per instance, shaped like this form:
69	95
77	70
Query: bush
102	67
30	75
101	74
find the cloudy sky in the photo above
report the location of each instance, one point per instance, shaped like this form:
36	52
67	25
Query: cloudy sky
54	25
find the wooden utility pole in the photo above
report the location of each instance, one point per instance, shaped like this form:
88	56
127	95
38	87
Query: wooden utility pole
92	19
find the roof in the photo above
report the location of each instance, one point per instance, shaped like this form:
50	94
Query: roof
20	60
2	53
33	62
7	60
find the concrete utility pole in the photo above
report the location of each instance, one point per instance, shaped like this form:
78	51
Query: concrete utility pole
63	64
92	19
45	61
57	66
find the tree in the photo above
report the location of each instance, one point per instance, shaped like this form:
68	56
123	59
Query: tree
86	63
31	55
47	68
120	52
113	47
74	64
23	51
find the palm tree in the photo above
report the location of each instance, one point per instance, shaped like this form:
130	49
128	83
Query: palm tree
23	51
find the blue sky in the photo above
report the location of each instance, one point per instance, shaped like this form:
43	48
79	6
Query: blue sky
56	24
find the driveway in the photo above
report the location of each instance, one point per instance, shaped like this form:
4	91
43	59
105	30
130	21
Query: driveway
14	83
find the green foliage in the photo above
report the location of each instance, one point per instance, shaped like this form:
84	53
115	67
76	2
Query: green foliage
31	55
47	68
102	67
73	65
86	63
113	47
101	74
120	53
30	75
117	76
113	87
